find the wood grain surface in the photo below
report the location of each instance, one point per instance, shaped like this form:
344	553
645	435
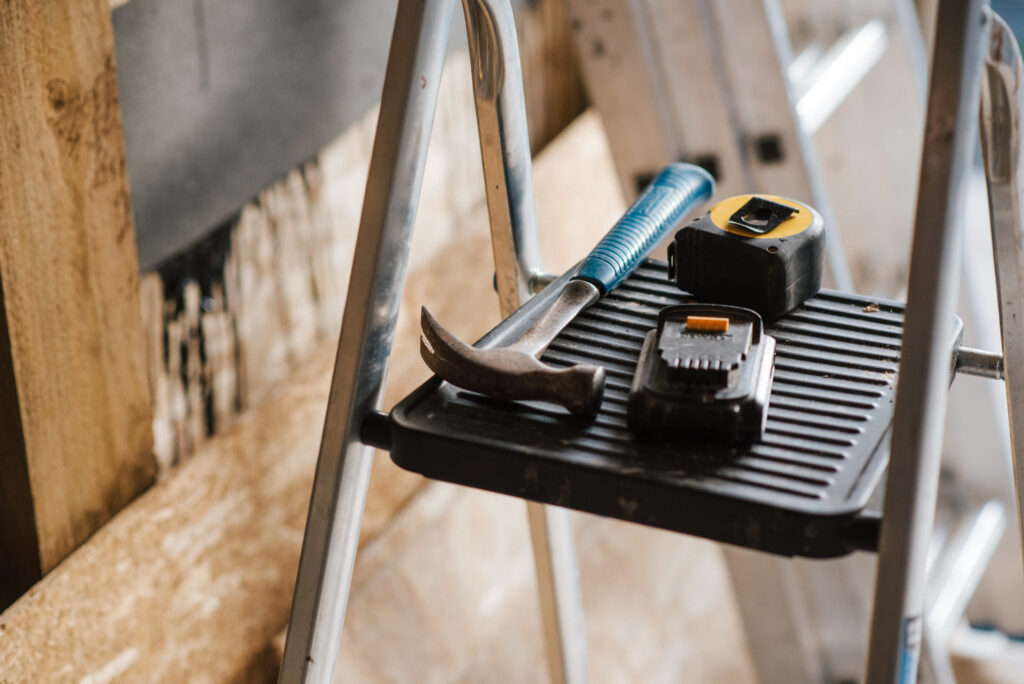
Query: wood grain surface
74	401
193	580
203	564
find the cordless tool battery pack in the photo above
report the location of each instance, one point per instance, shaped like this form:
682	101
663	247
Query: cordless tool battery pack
705	372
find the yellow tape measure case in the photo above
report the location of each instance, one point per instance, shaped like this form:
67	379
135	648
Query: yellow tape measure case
759	251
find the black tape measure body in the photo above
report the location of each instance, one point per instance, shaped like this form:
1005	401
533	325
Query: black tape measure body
759	251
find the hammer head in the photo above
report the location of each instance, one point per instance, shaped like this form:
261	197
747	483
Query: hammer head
506	373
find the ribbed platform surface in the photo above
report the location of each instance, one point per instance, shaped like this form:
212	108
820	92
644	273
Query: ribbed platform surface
797	492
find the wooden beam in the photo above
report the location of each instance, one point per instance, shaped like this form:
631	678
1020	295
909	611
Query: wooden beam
75	417
195	578
192	580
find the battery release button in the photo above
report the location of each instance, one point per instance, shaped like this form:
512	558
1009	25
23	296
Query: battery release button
710	324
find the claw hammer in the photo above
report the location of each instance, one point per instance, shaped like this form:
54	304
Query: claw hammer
515	371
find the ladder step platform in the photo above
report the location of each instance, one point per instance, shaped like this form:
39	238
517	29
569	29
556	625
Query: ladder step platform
803	490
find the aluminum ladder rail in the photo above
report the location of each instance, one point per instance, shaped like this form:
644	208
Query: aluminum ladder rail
715	82
1002	138
666	54
1002	144
979	60
408	102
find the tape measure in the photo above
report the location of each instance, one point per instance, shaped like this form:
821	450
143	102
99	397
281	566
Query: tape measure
759	251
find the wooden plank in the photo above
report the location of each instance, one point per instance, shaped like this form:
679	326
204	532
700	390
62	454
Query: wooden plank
552	82
195	577
190	581
75	411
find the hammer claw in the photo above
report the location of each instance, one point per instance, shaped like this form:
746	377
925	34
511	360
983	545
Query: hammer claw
438	346
506	373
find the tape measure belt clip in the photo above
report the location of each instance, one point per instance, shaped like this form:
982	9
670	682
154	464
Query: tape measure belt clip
761	215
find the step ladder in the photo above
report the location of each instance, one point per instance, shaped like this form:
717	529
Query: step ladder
354	422
645	64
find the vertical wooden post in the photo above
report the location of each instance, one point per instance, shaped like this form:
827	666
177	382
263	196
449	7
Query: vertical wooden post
75	414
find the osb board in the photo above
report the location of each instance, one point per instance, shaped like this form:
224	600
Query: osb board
192	580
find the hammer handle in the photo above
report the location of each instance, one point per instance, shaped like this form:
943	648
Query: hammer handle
676	191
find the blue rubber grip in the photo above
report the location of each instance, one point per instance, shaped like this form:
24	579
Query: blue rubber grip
676	191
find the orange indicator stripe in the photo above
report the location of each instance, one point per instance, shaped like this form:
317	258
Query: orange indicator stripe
707	323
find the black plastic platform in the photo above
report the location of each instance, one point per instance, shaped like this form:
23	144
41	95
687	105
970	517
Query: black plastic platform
800	491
